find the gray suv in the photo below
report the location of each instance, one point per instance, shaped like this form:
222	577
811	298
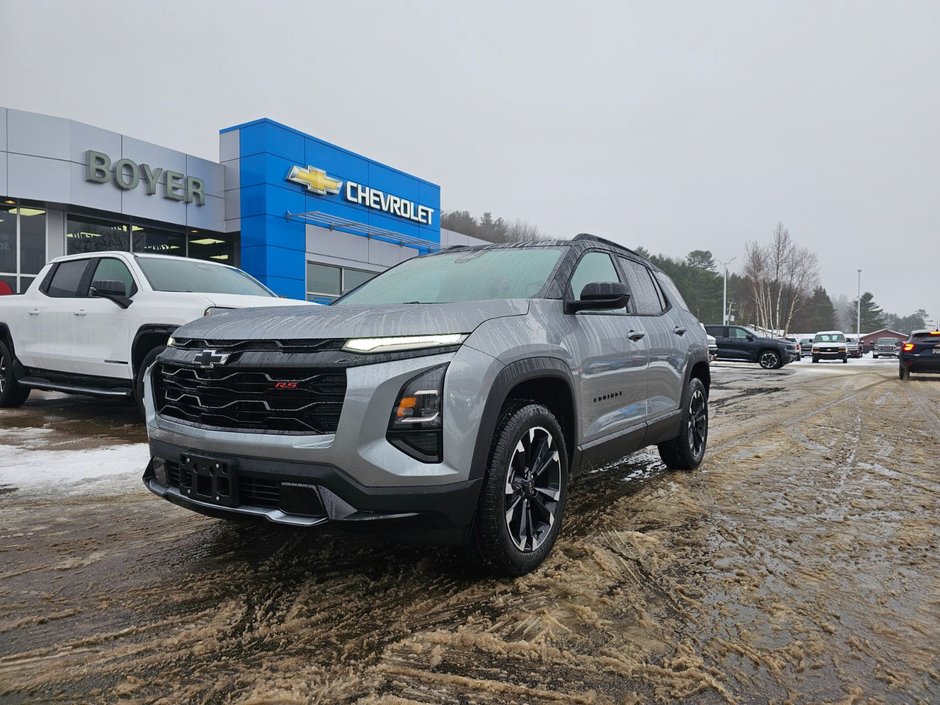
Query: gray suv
448	399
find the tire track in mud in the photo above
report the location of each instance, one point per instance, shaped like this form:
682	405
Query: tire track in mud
737	583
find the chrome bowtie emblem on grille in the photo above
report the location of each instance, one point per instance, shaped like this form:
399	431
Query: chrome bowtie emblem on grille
211	358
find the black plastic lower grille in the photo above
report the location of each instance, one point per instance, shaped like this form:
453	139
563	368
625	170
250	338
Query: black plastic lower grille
298	401
294	495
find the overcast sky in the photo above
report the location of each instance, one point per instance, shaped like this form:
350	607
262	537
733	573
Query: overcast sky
672	126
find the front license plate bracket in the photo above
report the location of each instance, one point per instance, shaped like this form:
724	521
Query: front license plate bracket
209	480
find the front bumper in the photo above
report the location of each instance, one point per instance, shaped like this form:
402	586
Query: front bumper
830	354
308	494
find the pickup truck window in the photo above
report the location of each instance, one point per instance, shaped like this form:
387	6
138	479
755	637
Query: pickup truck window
111	269
66	279
178	274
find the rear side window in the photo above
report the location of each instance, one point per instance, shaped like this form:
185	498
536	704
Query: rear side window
66	279
672	293
646	300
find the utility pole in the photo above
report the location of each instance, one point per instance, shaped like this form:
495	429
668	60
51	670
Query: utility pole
724	296
858	306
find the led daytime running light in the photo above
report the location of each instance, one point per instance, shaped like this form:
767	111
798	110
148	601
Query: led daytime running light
408	342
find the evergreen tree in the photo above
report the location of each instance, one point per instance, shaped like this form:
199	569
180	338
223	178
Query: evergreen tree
873	317
817	314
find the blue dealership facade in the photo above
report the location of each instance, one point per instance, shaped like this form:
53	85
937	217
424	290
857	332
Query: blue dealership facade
307	218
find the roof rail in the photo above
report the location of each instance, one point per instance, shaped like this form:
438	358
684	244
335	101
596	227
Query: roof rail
597	238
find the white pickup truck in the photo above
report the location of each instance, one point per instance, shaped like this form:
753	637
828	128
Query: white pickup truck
93	323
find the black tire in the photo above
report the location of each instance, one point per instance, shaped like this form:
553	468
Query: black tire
770	360
12	393
685	451
139	379
904	373
845	360
815	359
502	538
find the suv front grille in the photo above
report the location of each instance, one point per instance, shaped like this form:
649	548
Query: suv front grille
297	401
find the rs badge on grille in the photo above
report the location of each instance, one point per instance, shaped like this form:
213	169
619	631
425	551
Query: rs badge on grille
211	358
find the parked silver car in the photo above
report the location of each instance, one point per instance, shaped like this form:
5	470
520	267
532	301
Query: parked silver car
451	396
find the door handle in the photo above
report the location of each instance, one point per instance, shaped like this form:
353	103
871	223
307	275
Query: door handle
79	313
636	335
678	331
33	312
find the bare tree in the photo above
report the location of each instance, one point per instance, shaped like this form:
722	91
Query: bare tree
522	231
781	277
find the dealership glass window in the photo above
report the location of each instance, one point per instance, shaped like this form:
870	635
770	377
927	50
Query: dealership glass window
7	284
87	235
354	277
213	247
8	249
32	240
158	242
324	279
22	243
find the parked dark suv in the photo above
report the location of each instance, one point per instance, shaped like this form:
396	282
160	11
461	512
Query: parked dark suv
452	395
745	345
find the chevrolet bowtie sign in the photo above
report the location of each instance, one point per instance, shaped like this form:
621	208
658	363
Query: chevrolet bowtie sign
314	179
321	183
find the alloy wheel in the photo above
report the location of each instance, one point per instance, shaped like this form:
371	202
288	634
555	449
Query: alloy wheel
768	360
3	373
533	489
698	423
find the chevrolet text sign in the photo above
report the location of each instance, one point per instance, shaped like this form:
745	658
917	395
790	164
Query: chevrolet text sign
127	175
321	183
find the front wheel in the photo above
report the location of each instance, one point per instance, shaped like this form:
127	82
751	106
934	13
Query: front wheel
815	359
769	360
845	360
685	451
522	500
12	393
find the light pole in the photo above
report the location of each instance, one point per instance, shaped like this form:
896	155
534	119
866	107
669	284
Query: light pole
724	296
858	306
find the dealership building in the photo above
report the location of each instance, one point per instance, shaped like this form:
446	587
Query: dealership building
307	218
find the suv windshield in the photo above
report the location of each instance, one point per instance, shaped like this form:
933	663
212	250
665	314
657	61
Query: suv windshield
887	341
829	338
469	275
199	277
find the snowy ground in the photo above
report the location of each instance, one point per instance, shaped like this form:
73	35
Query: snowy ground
798	565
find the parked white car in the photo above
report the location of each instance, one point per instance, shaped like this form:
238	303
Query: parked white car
92	323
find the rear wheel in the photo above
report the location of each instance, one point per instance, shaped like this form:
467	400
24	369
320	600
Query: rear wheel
904	373
12	393
522	500
769	360
139	390
685	451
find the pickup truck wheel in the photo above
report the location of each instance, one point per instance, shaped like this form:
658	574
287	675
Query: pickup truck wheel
685	451
769	360
524	491
12	393
139	380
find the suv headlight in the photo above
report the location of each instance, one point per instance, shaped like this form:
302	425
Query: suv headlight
416	422
405	342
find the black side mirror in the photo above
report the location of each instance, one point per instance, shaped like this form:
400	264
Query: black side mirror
113	290
599	296
750	337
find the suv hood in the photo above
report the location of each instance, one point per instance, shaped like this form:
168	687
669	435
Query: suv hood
248	301
350	321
